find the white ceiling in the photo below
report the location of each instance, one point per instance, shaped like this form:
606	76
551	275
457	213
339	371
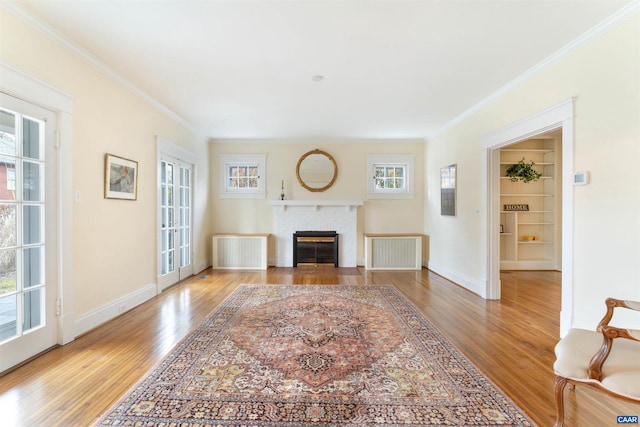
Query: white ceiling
392	69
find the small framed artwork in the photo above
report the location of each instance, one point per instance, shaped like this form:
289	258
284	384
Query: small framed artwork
120	178
448	190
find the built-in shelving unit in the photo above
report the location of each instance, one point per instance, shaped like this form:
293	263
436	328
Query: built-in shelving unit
530	239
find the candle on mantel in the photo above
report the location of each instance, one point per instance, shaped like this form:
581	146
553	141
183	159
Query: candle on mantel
282	187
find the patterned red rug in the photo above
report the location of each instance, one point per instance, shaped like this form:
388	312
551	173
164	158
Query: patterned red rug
314	355
317	269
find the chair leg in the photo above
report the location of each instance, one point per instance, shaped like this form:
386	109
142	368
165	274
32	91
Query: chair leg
561	382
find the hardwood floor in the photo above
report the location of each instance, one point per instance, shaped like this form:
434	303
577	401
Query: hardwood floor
511	340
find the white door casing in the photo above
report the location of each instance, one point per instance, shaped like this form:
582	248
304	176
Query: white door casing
561	117
17	83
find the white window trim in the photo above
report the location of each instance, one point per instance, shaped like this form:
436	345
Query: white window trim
226	160
405	160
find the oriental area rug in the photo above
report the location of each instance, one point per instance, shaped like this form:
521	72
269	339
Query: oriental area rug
315	355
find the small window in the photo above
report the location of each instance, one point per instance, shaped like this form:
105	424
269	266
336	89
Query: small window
390	176
242	176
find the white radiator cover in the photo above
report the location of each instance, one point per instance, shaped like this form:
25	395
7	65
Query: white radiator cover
239	251
393	252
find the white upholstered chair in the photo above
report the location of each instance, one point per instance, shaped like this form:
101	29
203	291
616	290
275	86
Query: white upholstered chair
607	359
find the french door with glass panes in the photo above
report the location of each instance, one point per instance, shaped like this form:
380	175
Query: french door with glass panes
28	287
176	235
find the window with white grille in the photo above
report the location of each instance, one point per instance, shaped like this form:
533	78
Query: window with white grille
242	175
390	176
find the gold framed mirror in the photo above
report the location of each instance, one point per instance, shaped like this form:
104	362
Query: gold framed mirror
316	170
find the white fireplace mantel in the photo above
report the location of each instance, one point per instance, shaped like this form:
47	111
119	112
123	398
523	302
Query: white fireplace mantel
316	204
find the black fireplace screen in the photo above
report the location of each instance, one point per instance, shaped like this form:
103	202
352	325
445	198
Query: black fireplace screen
315	247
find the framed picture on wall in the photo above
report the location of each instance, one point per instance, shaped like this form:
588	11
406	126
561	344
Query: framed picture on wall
120	178
448	190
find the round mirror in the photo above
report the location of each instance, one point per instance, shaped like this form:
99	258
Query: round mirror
316	170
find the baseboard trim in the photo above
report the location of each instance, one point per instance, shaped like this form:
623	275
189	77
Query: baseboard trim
201	266
100	315
473	285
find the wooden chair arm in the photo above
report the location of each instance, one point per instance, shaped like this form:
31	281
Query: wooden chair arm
614	332
613	303
609	333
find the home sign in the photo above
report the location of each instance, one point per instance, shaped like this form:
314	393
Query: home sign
516	207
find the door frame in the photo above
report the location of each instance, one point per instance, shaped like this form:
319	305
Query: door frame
25	344
559	116
21	85
167	148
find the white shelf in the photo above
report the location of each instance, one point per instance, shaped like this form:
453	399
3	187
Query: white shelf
526	212
534	242
526	195
527	150
534	163
539	195
542	177
316	204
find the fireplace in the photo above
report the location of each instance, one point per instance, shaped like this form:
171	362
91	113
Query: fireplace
315	247
291	216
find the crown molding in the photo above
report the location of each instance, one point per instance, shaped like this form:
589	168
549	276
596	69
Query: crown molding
20	12
613	21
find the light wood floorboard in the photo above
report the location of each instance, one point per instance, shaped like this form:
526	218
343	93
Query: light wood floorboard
510	340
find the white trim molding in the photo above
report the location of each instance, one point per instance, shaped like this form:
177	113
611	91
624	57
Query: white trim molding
476	286
113	309
559	116
316	204
175	151
536	124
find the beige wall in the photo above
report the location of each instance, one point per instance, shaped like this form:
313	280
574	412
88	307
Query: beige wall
375	216
114	241
604	78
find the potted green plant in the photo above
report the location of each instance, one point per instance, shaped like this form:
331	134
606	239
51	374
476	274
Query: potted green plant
523	171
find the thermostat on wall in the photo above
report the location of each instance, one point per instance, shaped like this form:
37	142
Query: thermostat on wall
581	178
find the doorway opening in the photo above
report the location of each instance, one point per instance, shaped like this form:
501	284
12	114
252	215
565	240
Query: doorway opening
558	118
176	249
28	231
531	205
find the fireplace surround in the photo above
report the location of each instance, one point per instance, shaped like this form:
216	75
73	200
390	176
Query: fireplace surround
291	216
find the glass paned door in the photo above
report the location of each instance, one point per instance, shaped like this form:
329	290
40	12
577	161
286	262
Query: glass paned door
167	218
184	207
27	291
175	250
